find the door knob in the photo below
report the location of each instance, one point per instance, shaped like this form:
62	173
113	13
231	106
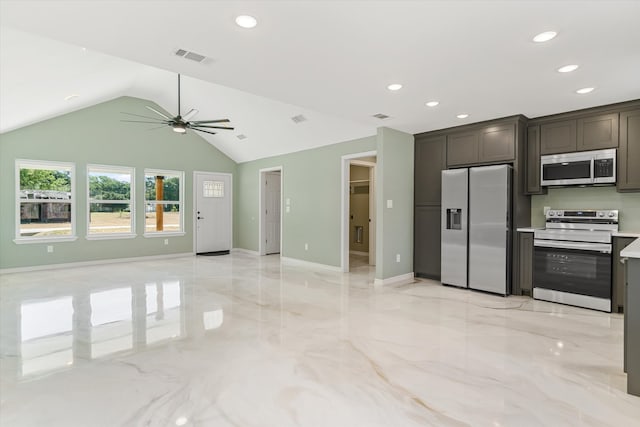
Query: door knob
200	217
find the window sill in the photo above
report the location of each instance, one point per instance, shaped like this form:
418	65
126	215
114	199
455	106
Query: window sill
113	236
165	234
31	240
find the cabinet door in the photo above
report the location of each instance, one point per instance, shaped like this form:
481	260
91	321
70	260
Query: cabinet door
595	133
426	250
462	149
558	137
629	152
497	143
429	163
619	275
525	263
533	162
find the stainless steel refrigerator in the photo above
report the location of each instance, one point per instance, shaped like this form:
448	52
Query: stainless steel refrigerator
476	228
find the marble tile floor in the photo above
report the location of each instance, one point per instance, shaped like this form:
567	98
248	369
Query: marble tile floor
241	340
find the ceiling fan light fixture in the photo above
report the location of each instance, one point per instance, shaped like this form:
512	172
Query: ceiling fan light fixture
179	127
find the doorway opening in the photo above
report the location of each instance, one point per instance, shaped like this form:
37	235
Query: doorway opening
270	211
358	229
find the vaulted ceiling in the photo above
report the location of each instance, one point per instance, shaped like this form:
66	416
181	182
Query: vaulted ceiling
330	61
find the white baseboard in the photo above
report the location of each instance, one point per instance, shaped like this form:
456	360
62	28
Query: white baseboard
395	280
245	251
359	253
296	261
90	263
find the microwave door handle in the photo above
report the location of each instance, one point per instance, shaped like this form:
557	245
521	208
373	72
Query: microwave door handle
592	175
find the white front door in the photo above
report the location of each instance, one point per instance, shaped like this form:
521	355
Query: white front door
213	212
272	212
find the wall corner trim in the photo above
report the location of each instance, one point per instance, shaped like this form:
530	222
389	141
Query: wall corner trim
309	264
395	280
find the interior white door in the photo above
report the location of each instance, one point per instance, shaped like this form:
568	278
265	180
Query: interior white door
272	212
213	212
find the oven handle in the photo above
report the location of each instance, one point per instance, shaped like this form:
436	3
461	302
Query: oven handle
582	246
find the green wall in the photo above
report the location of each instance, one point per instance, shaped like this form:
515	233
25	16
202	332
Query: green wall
589	198
311	180
96	135
394	181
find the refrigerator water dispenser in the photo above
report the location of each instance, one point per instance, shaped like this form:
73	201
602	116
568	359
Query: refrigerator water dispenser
454	219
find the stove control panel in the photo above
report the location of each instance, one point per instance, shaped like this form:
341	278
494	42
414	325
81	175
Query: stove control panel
584	215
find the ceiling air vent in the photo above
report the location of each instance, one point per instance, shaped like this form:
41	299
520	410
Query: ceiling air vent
241	137
299	119
190	55
380	116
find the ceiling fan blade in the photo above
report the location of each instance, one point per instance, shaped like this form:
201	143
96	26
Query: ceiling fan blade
158	112
144	117
209	127
190	114
202	130
144	121
159	127
198	122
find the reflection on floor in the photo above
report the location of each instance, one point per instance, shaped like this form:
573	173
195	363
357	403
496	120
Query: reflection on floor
357	261
240	340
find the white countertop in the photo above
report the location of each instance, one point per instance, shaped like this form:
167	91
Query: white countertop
631	251
531	229
625	234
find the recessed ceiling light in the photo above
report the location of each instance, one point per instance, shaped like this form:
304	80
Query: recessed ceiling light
545	37
462	116
70	97
568	68
246	21
585	90
432	103
394	86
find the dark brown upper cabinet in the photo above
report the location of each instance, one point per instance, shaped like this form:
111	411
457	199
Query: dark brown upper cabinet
497	143
595	133
462	149
430	160
532	177
490	144
558	137
629	152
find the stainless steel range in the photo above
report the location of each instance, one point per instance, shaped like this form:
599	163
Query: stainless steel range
573	258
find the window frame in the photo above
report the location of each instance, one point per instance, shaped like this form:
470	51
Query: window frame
180	202
45	165
132	198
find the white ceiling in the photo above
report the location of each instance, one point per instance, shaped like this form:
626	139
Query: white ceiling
328	60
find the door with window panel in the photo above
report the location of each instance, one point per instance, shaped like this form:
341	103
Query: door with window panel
213	212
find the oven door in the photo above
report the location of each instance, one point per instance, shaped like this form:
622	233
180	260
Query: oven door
573	267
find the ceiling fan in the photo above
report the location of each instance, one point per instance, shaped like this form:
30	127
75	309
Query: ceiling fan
179	123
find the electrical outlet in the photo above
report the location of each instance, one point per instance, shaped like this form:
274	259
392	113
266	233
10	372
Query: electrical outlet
397	257
306	246
389	204
50	249
166	241
288	209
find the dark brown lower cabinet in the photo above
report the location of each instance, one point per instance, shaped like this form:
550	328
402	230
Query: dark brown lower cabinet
619	276
426	255
525	264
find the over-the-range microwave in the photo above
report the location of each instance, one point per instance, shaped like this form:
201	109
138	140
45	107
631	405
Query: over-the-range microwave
582	168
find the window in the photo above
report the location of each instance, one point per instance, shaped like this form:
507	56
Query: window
110	202
45	201
213	189
163	202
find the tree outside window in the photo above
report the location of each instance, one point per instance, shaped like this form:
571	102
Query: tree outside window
110	201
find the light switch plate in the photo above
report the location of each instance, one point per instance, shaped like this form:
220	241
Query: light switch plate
389	204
